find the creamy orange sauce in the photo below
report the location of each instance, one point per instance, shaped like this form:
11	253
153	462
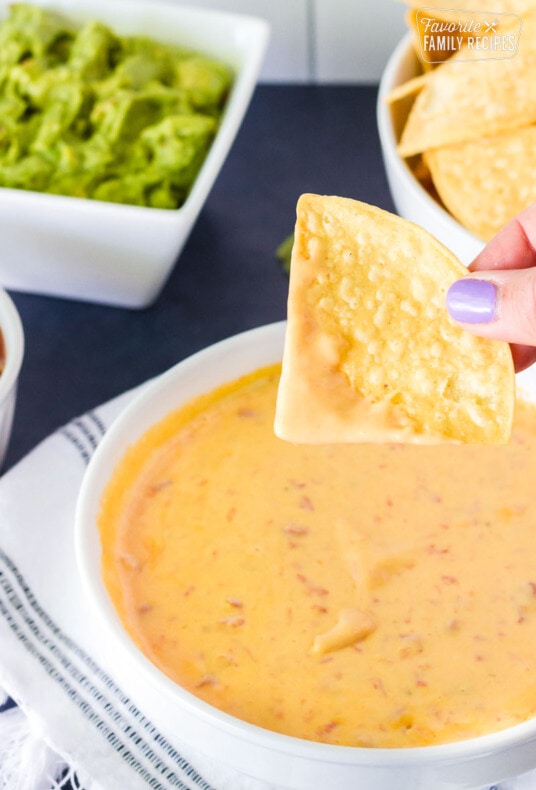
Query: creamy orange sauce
372	595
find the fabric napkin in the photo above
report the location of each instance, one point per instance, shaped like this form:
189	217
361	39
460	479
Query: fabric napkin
80	708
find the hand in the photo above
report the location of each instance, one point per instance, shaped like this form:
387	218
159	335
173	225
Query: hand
498	298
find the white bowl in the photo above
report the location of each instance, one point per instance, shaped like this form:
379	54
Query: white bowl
277	761
13	340
411	199
120	254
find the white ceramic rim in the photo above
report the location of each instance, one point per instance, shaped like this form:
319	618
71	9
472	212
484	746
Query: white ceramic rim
13	333
86	535
389	143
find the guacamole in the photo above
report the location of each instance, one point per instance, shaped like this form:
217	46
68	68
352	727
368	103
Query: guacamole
87	113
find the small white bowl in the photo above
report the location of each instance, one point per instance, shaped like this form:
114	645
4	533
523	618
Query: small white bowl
13	342
119	254
277	761
411	199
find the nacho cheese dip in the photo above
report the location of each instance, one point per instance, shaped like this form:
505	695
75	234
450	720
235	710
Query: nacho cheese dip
368	595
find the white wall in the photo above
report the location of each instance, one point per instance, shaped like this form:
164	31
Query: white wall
340	41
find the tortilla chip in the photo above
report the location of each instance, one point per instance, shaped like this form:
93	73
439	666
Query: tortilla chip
445	33
486	183
411	21
408	89
465	99
420	169
370	351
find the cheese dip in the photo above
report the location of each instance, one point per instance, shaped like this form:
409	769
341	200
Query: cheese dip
367	595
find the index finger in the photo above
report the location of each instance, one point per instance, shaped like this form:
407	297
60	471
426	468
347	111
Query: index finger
514	246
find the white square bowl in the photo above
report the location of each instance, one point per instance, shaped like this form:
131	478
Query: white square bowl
120	254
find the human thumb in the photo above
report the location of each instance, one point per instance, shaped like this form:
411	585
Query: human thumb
499	304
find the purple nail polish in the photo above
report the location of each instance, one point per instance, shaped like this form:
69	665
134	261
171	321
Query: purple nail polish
472	301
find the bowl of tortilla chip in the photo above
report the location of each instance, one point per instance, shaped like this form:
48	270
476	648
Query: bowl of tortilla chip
458	136
116	120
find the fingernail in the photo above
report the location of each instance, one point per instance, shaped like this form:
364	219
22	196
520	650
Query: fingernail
472	301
